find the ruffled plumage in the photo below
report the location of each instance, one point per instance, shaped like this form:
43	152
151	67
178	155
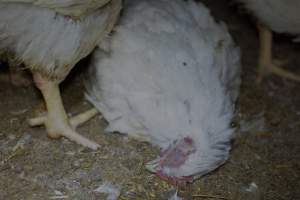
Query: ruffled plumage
172	73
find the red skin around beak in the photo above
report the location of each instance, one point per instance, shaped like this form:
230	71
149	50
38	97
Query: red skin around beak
174	157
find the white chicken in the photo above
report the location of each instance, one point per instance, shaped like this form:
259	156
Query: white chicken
50	37
171	78
281	16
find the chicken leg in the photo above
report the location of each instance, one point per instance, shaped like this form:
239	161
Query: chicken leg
265	61
56	120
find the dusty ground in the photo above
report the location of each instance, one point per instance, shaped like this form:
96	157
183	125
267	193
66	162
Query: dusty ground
264	162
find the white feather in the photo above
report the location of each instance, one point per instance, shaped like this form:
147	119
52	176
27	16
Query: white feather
49	42
75	8
172	72
282	16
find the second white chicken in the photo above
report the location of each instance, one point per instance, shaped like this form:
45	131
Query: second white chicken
171	78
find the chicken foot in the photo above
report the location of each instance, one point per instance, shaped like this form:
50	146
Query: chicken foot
74	121
265	61
56	120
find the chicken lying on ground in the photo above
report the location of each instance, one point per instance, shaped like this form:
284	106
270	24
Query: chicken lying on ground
171	78
50	37
281	16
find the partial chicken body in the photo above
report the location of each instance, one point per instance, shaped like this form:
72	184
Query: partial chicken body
281	16
50	37
171	78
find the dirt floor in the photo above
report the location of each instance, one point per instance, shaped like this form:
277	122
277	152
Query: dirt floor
264	162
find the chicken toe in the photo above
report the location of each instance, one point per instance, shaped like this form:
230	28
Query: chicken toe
75	121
